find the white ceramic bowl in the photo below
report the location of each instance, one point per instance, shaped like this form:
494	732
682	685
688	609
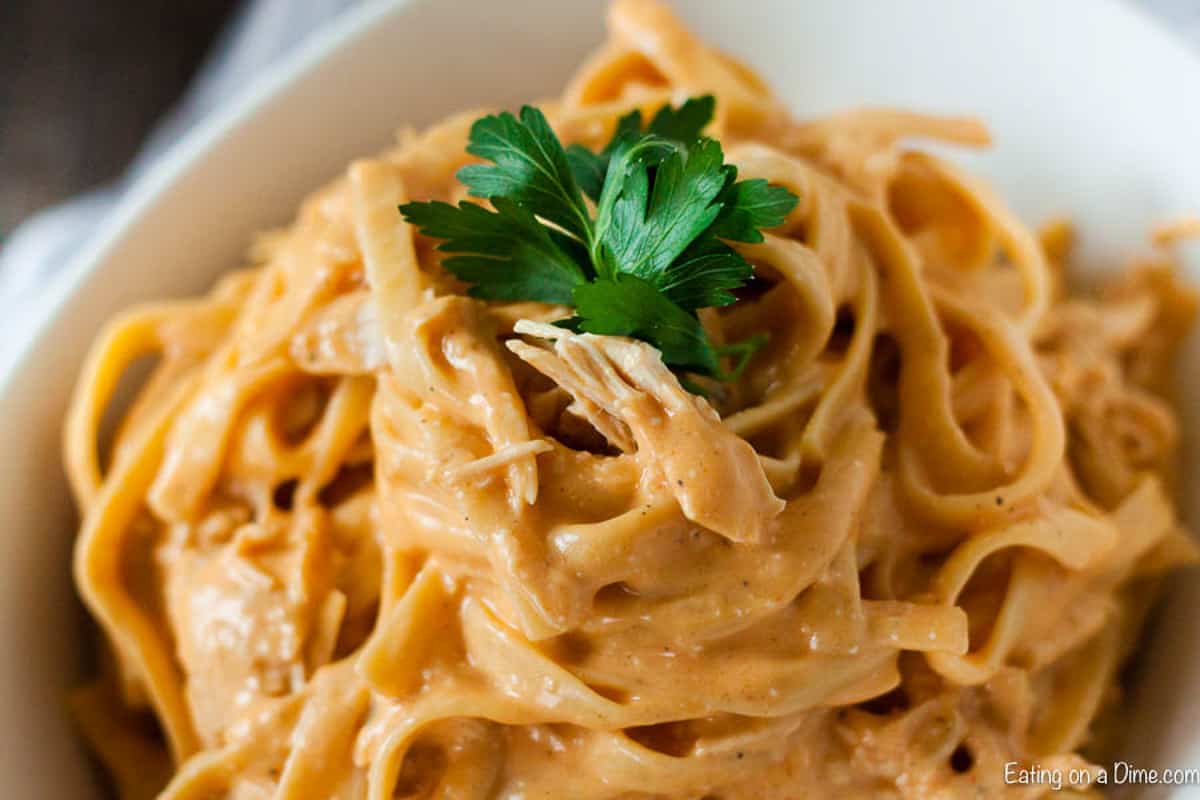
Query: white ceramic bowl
1093	109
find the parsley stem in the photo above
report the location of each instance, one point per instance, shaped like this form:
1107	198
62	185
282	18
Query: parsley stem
744	350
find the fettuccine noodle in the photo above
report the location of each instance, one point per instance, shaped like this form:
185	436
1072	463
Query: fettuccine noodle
361	536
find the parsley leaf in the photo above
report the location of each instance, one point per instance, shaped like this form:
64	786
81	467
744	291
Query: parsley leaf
627	305
749	205
653	253
528	166
703	275
681	125
588	169
512	255
644	229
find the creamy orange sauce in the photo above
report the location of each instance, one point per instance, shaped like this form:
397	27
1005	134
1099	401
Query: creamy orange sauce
362	536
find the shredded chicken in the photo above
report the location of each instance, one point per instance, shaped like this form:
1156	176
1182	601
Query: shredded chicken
452	347
625	391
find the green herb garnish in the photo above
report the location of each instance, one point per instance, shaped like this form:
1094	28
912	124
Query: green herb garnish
644	261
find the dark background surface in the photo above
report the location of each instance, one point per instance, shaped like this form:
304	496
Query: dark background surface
82	82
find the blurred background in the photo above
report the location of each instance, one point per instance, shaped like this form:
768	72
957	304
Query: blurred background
82	84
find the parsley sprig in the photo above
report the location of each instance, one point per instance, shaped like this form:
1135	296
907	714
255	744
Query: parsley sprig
634	236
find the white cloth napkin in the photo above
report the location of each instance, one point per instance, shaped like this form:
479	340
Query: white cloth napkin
263	32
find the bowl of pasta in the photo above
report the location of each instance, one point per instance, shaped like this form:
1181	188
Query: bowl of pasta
620	401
